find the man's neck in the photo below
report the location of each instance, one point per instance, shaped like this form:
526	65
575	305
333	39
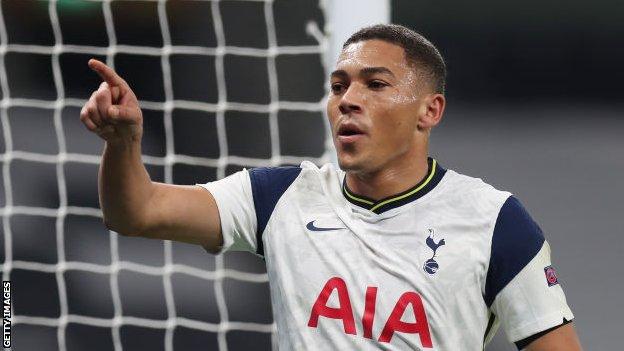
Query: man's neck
390	180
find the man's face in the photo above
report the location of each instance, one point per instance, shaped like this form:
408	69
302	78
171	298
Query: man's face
373	106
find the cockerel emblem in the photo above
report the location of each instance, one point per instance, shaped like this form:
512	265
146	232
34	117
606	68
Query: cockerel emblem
431	266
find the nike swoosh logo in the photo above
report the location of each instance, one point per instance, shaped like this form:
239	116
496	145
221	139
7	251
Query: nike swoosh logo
313	228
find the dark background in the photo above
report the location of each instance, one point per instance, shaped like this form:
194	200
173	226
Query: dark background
75	285
565	52
534	107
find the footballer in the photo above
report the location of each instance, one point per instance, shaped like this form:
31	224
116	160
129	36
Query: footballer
389	251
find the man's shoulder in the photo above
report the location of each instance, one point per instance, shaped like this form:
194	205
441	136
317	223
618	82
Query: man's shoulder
472	190
306	177
305	167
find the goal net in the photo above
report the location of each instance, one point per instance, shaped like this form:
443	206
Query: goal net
223	85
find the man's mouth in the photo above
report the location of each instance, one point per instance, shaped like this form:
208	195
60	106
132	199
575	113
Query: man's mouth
349	132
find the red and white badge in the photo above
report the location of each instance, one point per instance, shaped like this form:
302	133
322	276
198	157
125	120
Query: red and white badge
551	276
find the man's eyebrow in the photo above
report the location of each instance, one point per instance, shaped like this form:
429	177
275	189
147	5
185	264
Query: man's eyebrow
366	71
339	73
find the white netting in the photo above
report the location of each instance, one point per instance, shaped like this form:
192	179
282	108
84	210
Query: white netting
59	160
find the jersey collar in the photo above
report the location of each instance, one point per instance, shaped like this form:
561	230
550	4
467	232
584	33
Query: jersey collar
433	177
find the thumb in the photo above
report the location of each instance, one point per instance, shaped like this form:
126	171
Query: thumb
124	114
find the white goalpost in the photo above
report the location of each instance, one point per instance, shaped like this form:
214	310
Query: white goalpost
276	110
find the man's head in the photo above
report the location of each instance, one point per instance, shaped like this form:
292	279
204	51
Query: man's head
386	95
419	52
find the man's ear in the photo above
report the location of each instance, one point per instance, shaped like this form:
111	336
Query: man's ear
433	109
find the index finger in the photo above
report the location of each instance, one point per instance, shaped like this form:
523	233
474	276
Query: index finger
106	73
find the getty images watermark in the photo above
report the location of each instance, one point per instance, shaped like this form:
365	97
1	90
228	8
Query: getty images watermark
6	313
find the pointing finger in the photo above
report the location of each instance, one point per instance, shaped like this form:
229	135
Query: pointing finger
106	73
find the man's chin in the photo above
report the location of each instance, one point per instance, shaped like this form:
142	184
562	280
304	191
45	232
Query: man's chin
349	163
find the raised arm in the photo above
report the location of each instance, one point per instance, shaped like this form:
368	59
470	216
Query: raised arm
131	203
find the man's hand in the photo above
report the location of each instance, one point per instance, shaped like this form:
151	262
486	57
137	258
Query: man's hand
113	111
131	203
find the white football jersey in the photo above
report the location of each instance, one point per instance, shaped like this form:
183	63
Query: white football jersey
437	267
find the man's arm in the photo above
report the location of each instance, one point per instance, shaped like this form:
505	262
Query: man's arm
131	203
563	338
522	288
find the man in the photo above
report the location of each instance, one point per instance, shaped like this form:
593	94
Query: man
392	251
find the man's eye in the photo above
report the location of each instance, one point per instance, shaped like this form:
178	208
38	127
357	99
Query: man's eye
376	84
337	88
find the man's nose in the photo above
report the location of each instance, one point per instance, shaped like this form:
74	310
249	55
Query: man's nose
351	100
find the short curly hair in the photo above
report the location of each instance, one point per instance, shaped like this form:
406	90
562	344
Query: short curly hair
419	51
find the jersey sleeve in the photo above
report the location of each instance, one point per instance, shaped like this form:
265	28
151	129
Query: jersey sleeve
233	195
521	287
246	201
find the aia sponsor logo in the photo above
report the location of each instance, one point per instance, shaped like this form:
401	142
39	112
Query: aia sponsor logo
408	302
551	276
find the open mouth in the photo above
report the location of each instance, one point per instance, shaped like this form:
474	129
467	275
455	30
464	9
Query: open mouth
347	130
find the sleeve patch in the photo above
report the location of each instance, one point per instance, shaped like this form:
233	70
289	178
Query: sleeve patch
551	276
268	184
515	241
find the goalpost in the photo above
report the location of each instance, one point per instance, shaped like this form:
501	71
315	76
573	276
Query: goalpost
284	117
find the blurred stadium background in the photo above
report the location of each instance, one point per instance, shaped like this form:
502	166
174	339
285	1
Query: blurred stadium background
535	107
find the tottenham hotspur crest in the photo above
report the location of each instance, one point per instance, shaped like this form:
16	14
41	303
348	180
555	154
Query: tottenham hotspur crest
431	266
